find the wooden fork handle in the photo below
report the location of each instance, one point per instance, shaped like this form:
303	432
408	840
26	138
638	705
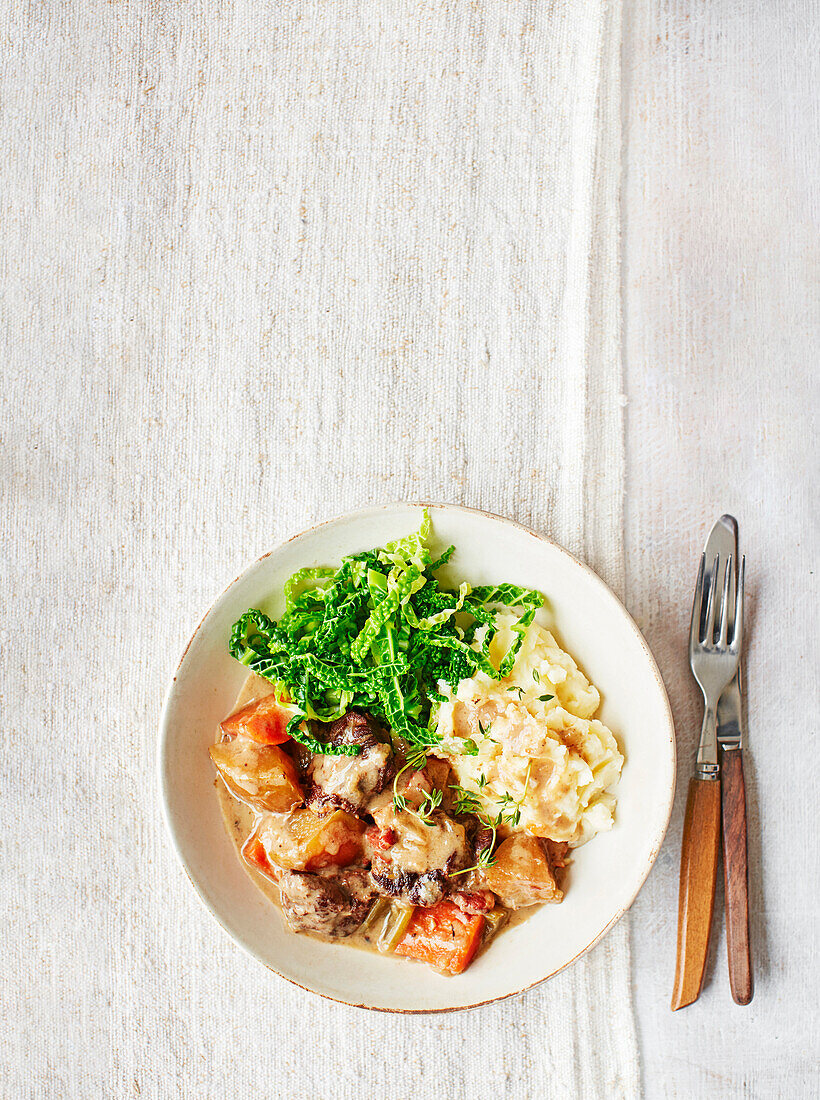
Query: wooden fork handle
696	900
736	876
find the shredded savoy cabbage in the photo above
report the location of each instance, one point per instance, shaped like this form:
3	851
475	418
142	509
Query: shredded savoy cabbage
379	633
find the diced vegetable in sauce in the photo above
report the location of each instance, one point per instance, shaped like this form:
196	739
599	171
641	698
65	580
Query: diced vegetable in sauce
262	775
303	841
521	874
264	721
394	926
385	924
494	921
444	936
254	854
374	919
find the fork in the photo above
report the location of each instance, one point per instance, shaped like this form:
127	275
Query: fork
715	638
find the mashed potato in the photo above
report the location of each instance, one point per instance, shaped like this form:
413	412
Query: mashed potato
547	759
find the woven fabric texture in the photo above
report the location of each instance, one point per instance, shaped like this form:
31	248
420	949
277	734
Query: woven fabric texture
264	263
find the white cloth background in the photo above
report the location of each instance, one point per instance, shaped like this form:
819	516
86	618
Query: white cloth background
264	263
722	280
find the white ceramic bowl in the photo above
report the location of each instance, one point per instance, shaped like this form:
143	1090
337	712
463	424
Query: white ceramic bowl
606	873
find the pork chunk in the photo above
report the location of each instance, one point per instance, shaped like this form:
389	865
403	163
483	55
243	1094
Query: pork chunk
412	859
349	782
331	904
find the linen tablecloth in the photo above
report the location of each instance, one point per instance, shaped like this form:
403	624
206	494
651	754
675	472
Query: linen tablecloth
722	283
264	263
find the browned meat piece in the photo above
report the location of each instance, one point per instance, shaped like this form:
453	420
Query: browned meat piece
331	904
438	773
474	902
434	776
479	836
301	756
357	727
557	852
412	858
348	782
425	889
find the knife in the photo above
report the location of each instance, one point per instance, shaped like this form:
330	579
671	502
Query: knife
723	541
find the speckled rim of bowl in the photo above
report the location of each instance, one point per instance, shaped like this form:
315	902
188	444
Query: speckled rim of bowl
633	626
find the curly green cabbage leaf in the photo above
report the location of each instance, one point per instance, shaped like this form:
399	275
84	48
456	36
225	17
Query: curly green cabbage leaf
380	633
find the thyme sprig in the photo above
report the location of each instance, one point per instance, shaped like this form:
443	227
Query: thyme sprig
483	859
510	808
467	802
429	804
431	801
415	759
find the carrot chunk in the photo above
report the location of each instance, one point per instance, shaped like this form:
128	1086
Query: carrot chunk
264	721
254	854
443	936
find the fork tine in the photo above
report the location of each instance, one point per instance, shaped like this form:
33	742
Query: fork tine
725	603
697	603
708	632
737	634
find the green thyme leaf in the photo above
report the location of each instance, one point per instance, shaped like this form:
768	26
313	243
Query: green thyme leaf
485	730
464	801
429	804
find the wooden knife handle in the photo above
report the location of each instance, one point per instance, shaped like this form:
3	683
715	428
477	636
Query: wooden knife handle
736	876
696	900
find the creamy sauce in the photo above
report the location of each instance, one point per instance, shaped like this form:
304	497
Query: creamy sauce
419	846
240	819
239	822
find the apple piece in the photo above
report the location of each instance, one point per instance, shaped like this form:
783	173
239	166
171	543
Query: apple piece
262	775
521	874
304	841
